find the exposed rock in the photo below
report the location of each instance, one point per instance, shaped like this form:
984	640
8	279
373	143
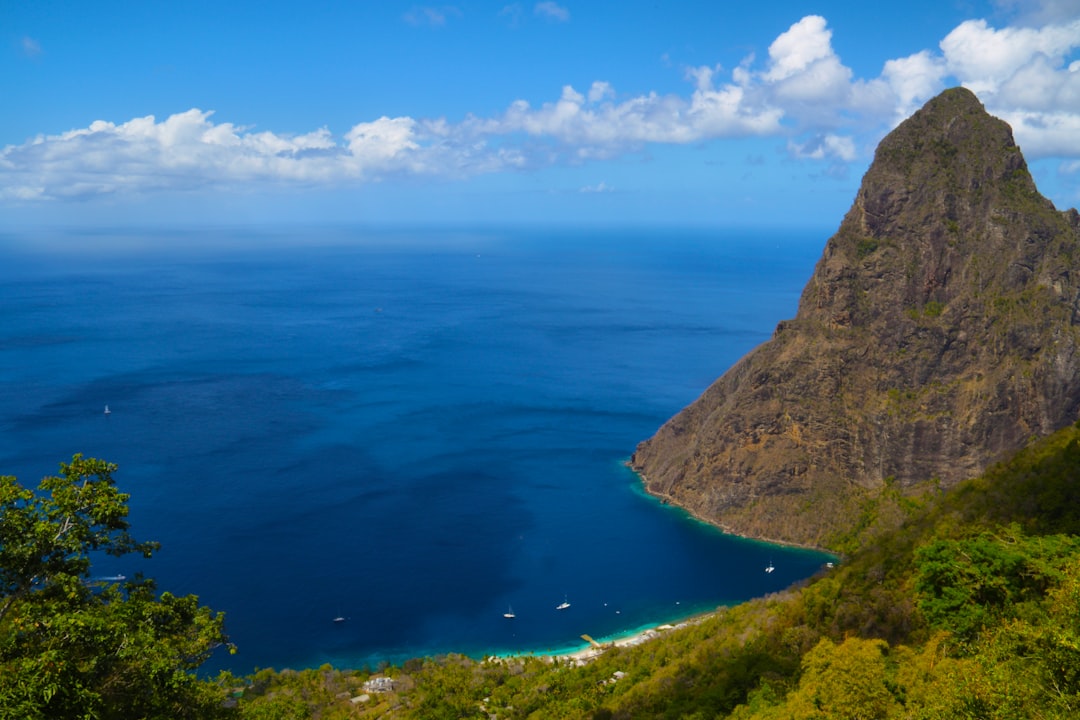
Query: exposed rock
939	331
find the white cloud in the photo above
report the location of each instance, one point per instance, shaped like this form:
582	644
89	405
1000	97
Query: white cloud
1021	75
825	147
379	143
609	127
187	150
1042	134
802	45
914	79
552	11
600	91
801	93
985	57
600	187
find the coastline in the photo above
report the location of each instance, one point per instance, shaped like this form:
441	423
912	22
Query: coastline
595	648
636	637
669	500
642	634
590	648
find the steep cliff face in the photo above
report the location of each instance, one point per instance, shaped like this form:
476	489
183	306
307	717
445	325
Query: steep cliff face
939	331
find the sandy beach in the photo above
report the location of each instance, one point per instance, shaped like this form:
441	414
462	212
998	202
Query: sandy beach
597	648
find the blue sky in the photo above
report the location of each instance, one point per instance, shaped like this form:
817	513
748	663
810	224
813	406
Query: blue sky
606	113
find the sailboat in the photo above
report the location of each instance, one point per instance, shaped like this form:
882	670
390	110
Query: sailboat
563	605
509	614
107	410
770	568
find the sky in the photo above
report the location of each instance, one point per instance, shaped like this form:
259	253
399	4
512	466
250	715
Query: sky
606	112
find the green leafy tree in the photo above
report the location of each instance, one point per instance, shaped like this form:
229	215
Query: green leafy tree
71	647
850	680
965	585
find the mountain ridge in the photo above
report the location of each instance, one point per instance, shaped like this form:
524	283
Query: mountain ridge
937	333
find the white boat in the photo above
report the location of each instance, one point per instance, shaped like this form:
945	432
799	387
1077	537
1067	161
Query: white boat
339	619
770	568
107	410
563	605
509	614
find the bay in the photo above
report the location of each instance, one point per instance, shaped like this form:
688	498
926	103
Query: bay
413	429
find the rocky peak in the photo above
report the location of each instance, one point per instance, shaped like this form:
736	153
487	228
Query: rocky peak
937	333
944	189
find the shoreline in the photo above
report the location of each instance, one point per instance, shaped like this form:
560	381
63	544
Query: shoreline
635	638
589	648
642	634
595	648
669	500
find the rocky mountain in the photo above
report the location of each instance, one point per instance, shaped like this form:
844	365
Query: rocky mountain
939	331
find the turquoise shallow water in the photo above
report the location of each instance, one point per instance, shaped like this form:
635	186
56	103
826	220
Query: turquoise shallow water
411	430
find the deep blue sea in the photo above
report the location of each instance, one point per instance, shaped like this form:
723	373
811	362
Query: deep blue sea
414	430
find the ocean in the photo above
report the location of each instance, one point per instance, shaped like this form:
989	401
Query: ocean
413	430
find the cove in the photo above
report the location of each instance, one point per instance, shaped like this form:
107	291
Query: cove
411	430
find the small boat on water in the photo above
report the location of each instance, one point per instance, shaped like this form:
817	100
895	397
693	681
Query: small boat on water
339	619
509	614
563	605
770	568
107	410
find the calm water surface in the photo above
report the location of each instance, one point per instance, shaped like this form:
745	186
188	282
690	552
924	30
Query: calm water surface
414	431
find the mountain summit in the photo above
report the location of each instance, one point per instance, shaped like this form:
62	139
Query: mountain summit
939	331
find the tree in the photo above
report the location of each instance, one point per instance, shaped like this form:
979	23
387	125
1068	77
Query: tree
71	647
850	680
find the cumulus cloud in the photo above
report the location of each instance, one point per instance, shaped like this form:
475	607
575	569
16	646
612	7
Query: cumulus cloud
805	44
600	91
913	79
1026	76
824	147
1046	134
188	150
987	58
800	92
599	126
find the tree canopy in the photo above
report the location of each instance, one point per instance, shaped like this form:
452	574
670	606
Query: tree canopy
75	647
